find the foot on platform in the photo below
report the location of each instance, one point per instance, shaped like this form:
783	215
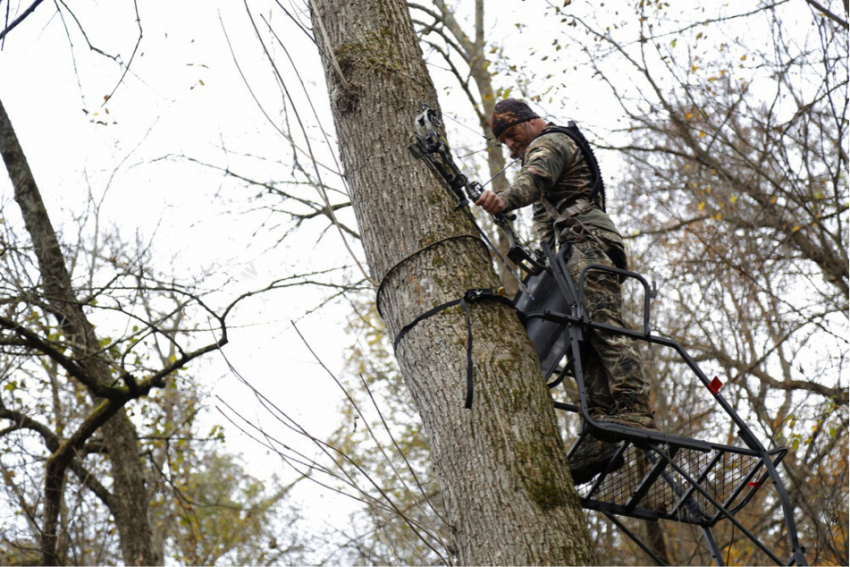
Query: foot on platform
636	420
591	458
630	412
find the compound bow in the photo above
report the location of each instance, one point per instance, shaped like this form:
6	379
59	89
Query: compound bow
430	146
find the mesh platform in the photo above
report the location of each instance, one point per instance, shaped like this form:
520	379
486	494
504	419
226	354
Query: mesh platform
647	486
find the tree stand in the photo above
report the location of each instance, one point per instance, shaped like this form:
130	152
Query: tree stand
665	476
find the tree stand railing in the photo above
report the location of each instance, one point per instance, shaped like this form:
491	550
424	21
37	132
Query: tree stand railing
664	476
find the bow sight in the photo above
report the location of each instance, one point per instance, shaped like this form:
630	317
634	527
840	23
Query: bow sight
430	146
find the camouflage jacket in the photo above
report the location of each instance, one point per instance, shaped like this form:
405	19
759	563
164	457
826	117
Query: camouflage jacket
554	167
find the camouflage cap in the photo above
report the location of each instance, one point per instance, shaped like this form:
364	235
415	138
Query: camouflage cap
509	112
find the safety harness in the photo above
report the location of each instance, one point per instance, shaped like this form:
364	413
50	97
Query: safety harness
597	187
568	218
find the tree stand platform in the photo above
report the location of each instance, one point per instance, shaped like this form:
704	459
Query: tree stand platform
664	476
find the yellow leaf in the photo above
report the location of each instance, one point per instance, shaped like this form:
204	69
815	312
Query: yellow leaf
694	68
719	216
712	79
200	81
689	115
796	228
701	205
743	57
733	198
708	190
773	200
701	134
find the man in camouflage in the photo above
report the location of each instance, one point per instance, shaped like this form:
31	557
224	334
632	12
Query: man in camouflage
557	181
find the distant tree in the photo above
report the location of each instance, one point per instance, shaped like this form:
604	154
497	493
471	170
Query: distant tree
83	351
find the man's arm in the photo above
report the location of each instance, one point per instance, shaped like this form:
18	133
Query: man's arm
544	163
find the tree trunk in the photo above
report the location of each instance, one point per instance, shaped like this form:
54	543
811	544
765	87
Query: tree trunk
502	466
130	501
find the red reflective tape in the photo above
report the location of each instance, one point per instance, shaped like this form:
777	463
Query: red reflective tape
754	483
715	385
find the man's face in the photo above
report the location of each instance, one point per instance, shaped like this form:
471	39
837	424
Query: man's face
517	138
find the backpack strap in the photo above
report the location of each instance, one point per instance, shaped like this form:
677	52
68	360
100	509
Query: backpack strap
570	212
572	130
569	220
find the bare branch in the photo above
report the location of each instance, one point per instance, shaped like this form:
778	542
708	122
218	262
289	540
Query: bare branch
132	56
20	19
828	14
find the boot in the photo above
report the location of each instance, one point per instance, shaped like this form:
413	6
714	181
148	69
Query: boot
591	458
633	412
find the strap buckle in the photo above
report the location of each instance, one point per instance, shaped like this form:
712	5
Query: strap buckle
479	293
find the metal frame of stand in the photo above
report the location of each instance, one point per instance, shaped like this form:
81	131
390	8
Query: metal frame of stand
664	476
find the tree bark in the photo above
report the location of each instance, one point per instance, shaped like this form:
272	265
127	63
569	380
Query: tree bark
129	497
501	465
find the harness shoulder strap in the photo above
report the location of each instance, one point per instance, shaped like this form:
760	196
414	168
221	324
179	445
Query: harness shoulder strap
576	208
572	130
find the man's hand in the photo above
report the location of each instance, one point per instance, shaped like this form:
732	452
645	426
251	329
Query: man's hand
491	202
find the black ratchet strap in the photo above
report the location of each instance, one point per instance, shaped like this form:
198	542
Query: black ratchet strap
469	296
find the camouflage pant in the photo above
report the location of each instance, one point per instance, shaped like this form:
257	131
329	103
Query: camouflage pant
611	364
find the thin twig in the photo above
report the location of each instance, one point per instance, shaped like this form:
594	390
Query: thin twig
321	184
108	97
